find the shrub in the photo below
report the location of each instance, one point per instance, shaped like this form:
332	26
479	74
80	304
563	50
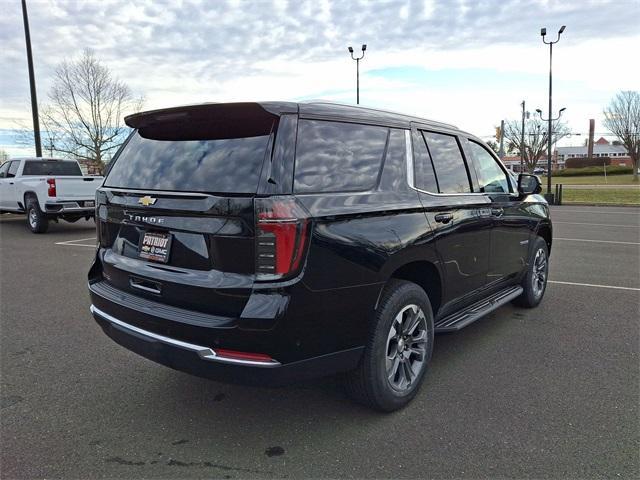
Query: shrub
579	172
582	162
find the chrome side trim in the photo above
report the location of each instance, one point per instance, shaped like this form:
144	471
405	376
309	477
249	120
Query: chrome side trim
205	353
155	192
409	152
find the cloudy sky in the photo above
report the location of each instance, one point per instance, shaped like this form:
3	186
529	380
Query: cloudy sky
470	63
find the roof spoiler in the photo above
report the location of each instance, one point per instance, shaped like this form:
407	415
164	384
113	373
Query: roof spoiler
201	112
209	121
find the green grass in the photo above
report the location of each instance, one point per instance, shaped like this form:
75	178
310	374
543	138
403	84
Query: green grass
608	196
593	180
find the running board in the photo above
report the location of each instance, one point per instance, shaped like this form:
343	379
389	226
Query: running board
477	310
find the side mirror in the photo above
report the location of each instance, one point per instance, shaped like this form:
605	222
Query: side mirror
528	184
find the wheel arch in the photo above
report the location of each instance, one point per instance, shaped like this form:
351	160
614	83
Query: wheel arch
426	275
544	231
27	194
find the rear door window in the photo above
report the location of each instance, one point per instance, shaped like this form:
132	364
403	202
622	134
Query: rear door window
424	176
51	167
448	162
338	156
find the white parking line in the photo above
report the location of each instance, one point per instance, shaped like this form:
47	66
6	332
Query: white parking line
598	224
77	240
607	212
75	245
72	243
594	285
595	241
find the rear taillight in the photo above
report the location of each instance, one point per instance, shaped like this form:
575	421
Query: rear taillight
51	191
281	237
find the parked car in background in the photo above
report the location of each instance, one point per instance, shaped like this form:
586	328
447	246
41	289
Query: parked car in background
47	189
271	242
539	171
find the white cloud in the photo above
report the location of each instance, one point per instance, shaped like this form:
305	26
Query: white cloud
190	52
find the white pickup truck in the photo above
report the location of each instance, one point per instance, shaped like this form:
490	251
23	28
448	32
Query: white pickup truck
47	189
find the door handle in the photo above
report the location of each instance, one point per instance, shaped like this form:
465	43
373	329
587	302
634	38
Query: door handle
497	211
443	217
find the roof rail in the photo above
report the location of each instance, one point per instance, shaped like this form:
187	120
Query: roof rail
349	105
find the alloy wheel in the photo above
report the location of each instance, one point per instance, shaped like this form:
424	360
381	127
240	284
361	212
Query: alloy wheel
406	348
539	272
33	218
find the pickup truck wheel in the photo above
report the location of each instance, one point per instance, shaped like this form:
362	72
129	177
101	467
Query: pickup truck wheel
36	220
535	279
398	350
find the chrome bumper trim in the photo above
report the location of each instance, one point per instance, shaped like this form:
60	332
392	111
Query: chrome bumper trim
205	353
70	206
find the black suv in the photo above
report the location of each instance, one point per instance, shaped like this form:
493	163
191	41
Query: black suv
271	242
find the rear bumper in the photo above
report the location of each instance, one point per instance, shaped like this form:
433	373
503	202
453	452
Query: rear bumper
75	207
205	362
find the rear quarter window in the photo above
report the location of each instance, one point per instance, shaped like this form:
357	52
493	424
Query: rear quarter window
338	156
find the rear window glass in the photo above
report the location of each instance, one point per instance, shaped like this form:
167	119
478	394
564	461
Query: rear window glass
220	165
338	156
55	168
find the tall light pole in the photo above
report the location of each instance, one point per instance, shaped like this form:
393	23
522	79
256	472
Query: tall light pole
32	82
357	59
543	33
549	143
524	114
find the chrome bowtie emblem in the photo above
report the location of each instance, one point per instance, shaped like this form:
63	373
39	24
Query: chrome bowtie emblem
147	200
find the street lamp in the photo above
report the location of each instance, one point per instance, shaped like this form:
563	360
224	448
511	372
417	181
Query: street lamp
357	59
543	33
549	142
524	114
32	82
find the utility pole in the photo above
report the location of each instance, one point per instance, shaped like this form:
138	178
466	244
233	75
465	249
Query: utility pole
522	147
357	59
32	82
543	32
501	150
592	127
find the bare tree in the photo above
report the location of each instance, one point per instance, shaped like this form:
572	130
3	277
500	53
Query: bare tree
85	110
622	118
23	136
535	138
494	146
4	156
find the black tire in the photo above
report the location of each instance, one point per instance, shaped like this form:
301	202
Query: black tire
370	384
534	282
36	220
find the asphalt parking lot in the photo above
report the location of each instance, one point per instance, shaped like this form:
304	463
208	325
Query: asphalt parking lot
549	392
